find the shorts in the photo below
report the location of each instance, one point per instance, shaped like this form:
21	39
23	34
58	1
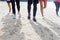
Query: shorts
43	0
8	1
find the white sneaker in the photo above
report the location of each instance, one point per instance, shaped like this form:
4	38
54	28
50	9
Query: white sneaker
43	17
14	16
19	15
11	14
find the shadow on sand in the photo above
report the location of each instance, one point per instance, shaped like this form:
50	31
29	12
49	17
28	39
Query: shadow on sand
55	26
12	29
43	32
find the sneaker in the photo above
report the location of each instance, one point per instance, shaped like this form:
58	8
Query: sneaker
9	13
19	15
42	17
14	16
34	19
57	14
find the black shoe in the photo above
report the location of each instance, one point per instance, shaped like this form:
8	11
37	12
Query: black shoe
29	17
34	19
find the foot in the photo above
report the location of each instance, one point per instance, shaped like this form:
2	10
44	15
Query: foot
42	17
34	19
57	14
19	15
29	17
14	16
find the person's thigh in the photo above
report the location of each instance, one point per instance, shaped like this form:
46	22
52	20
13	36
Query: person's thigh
36	1
56	4
18	2
13	2
30	1
59	4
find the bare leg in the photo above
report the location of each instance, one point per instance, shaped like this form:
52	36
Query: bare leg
9	7
41	8
45	4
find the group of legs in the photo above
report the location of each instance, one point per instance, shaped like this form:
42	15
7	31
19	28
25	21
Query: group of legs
43	4
12	2
30	2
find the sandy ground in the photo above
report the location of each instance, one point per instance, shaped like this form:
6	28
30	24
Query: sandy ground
24	29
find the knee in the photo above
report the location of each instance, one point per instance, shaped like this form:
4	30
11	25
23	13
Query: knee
29	6
35	6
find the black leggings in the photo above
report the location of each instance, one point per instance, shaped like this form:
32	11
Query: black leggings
34	9
13	6
57	4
